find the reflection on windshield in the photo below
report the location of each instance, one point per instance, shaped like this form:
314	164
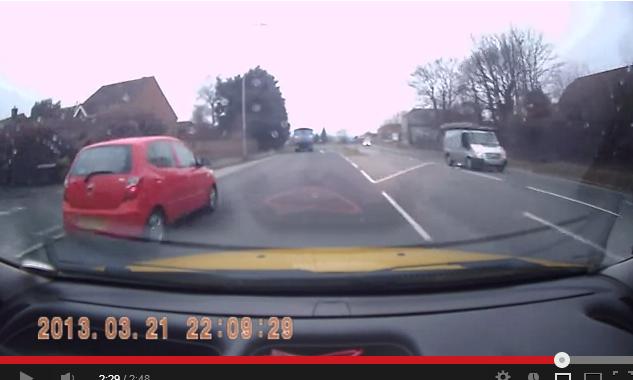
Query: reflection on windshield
415	153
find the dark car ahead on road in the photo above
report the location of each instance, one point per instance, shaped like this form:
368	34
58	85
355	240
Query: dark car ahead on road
303	139
135	186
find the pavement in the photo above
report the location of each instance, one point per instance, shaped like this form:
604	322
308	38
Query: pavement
358	196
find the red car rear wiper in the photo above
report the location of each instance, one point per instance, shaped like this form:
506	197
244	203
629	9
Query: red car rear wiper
97	172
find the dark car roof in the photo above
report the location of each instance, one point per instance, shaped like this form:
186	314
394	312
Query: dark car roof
132	141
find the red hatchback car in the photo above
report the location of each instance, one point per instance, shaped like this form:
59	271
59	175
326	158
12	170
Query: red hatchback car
135	186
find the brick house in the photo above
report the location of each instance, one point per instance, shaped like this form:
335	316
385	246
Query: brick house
131	99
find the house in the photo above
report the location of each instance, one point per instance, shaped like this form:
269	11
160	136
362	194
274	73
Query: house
15	118
76	111
368	135
599	99
421	126
131	99
390	132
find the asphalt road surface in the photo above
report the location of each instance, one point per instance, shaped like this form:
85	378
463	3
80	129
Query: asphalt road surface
357	196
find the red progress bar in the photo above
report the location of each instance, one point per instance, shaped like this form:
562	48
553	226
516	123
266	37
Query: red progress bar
277	360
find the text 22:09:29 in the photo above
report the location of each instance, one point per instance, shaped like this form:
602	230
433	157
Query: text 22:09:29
273	328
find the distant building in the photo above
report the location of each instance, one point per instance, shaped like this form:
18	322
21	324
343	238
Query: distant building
421	126
390	132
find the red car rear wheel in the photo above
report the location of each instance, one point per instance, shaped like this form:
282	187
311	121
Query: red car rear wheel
213	199
155	227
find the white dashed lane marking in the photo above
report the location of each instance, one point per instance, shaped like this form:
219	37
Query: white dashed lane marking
11	211
425	235
49	230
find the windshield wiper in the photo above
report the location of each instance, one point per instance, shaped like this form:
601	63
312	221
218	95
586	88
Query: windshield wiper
97	172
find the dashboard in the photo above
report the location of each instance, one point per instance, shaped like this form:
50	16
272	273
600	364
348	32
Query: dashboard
583	315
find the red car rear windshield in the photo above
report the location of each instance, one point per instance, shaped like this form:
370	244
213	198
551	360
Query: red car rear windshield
112	158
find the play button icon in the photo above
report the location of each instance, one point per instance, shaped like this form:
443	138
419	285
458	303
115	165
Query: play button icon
24	376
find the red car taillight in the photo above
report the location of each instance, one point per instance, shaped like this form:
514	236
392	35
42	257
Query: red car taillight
132	187
66	188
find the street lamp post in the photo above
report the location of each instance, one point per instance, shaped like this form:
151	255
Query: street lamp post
256	82
244	151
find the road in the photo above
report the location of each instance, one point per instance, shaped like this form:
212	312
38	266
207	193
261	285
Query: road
359	196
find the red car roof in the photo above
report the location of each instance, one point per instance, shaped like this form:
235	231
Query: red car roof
132	141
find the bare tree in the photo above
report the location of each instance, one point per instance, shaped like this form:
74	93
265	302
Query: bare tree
424	80
536	59
562	76
469	90
396	118
448	80
502	68
436	82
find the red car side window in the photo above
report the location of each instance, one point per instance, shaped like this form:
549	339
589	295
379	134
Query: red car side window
159	154
186	159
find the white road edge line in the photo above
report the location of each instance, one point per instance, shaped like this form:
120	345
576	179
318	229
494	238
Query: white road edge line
408	218
404	171
629	203
48	230
58	236
482	175
573	200
570	234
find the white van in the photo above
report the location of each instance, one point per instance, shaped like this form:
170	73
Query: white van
473	146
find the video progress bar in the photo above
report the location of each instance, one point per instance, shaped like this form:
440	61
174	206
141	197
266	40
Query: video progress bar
601	360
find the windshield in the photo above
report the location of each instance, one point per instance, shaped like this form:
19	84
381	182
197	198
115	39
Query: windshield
483	138
323	141
112	159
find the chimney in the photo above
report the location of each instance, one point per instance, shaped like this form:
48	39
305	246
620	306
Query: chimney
14	112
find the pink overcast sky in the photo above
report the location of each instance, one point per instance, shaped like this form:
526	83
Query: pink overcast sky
339	65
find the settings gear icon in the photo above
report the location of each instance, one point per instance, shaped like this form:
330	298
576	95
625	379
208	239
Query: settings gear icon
502	375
